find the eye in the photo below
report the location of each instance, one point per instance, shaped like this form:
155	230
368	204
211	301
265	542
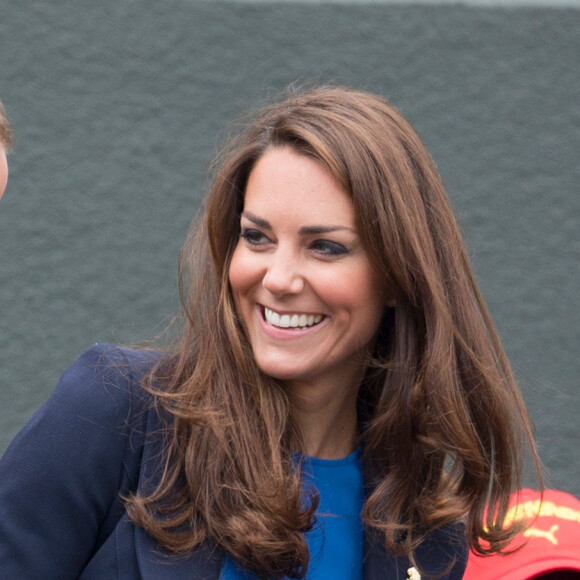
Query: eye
253	238
328	248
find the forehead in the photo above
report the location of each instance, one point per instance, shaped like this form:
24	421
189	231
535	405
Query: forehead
288	183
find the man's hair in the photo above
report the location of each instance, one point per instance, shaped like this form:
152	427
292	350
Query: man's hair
5	129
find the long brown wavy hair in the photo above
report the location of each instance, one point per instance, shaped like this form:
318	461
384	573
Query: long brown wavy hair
441	419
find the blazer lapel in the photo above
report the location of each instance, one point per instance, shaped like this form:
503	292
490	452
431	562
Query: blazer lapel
203	564
154	563
378	564
442	552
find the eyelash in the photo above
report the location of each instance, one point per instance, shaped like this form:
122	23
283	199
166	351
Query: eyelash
255	238
328	248
251	237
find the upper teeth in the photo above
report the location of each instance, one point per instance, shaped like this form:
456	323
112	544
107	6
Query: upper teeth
291	320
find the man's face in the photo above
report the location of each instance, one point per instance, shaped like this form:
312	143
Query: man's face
3	170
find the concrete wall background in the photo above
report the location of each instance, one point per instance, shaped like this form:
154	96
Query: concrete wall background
119	105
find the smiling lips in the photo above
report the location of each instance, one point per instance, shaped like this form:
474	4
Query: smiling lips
291	320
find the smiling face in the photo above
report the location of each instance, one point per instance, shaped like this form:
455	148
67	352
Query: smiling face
302	283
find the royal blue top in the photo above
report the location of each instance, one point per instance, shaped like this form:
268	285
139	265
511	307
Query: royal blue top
336	540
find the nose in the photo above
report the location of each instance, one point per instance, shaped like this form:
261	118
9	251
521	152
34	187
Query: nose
283	274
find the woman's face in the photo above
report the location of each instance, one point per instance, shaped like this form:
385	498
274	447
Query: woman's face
302	283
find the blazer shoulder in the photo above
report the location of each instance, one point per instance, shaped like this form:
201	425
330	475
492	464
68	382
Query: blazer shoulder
102	389
61	477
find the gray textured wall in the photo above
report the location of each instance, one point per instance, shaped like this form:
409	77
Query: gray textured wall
119	105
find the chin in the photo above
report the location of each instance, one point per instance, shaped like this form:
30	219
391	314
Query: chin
279	371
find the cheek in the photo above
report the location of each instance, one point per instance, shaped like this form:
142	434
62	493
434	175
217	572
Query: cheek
236	276
356	290
362	297
237	282
242	273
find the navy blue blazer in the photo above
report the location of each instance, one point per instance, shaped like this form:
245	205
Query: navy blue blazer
97	437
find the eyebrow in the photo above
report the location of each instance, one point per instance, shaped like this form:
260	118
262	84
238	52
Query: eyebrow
304	230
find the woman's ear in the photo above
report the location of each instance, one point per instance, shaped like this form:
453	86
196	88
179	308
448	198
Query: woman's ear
388	293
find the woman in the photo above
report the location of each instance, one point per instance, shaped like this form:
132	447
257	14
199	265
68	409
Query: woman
338	405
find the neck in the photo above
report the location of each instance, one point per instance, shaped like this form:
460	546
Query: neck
326	418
